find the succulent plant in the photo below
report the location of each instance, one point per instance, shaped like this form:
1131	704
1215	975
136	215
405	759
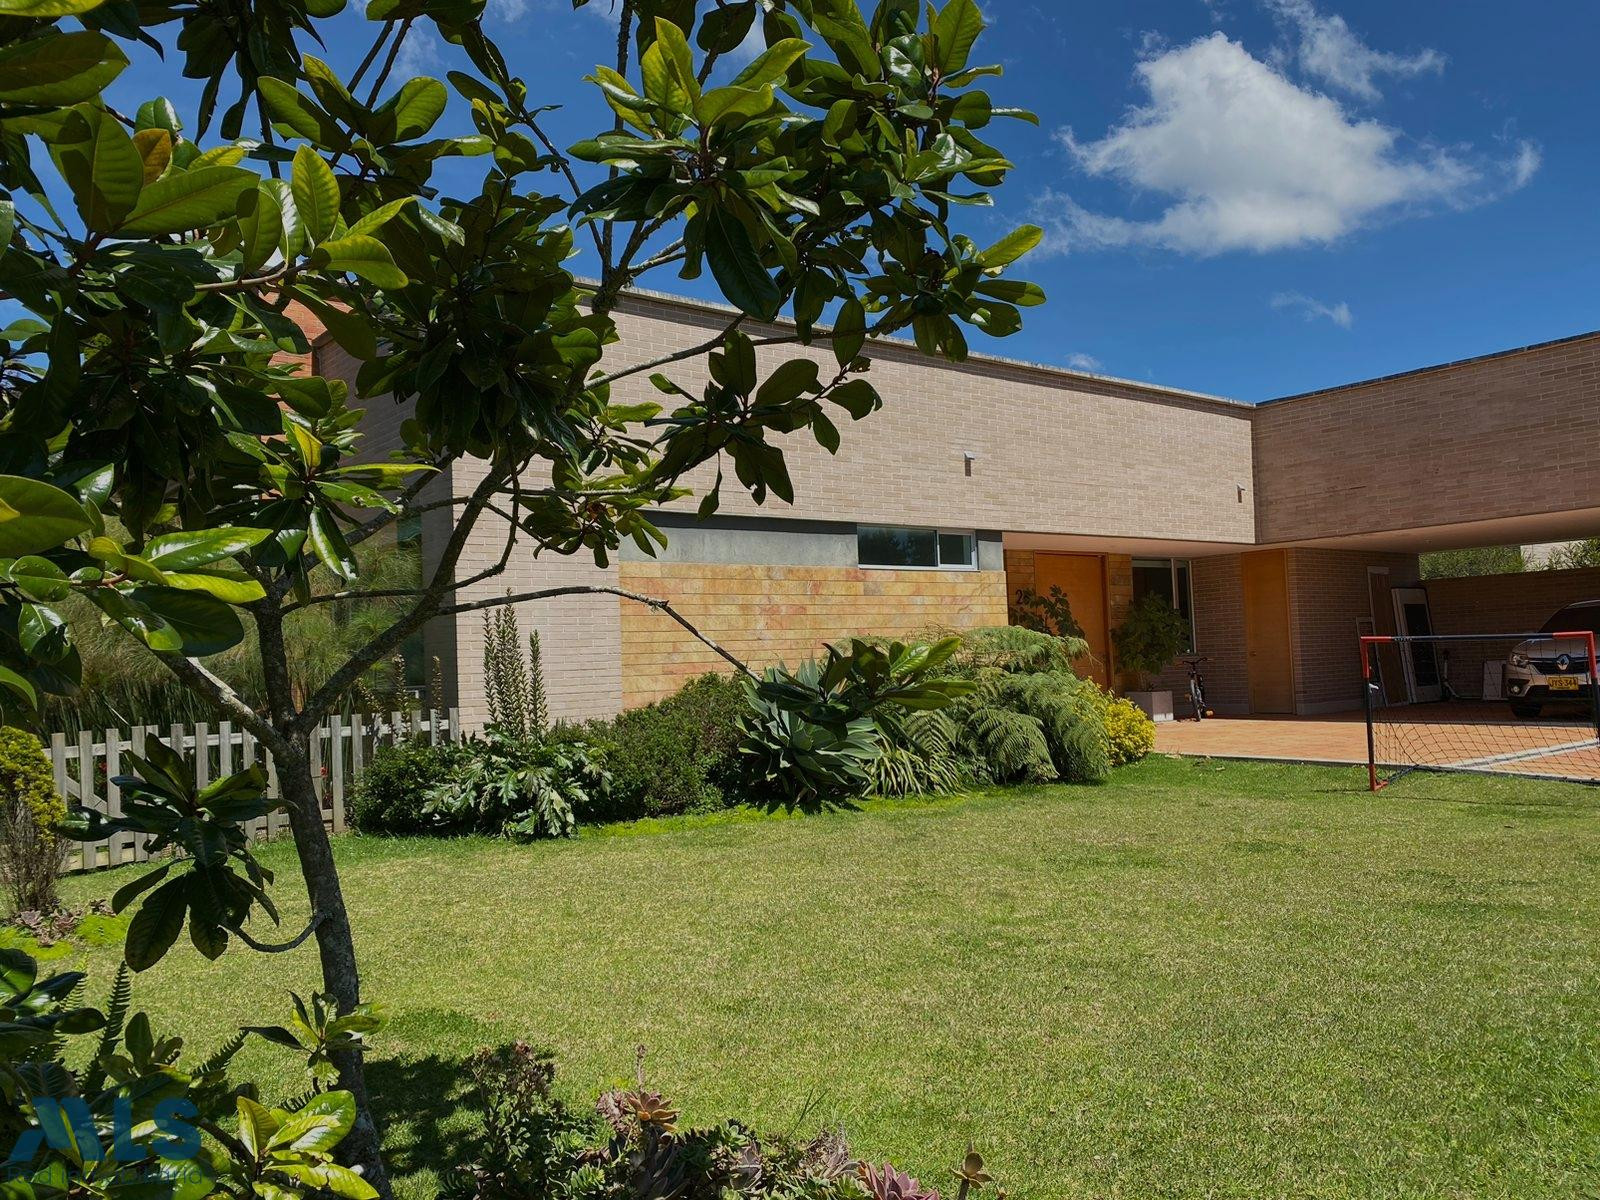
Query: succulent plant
886	1183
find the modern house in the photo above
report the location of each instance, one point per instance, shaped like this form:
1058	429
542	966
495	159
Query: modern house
1281	530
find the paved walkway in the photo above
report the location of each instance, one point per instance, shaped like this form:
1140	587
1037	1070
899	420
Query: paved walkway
1464	737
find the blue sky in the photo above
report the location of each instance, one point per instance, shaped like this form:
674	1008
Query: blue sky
1247	197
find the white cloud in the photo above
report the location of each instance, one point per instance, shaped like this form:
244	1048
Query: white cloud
1083	362
1329	50
1314	310
1245	159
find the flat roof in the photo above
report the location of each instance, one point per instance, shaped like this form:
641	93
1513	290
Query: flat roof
1446	366
981	358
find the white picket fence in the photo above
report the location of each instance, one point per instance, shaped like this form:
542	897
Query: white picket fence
86	766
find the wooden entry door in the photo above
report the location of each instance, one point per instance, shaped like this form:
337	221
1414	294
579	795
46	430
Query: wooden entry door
1268	644
1082	578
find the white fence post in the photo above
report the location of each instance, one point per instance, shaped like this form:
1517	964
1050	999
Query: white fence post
339	756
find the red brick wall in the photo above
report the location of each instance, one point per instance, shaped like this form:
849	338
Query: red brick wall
1329	594
1436	447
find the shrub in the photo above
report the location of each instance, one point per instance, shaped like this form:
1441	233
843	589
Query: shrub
1150	637
1034	727
675	756
391	797
534	1144
815	735
31	855
791	757
1016	649
518	787
1130	733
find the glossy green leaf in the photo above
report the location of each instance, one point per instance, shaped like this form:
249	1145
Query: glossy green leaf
8	226
19	687
256	1126
1012	247
260	226
35	516
158	114
381	216
59	69
320	1125
39	578
955	30
772	64
184	200
157	924
200	547
294	111
849	332
417	107
737	267
42	633
362	256
316	193
329	545
101	165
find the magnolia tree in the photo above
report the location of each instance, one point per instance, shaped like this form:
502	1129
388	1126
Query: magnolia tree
163	459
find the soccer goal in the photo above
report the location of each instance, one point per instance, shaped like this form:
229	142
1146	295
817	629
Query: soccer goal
1523	704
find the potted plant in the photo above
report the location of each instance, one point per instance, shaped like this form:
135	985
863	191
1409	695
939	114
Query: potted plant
1149	638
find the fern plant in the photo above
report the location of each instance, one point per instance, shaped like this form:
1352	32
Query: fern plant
921	757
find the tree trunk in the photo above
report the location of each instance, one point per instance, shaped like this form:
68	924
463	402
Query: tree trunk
336	948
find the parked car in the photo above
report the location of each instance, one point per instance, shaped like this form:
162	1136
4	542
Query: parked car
1544	670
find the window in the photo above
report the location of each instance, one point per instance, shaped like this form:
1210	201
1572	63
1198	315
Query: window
1168	578
916	549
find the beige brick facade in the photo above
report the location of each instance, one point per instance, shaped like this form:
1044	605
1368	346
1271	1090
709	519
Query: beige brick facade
1055	452
769	614
1010	448
1510	435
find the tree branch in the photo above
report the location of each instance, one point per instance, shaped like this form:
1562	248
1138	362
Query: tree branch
661	606
222	696
279	947
427	604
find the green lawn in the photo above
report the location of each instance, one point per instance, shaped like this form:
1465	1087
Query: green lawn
1218	980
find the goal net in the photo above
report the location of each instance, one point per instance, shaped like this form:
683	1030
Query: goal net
1522	704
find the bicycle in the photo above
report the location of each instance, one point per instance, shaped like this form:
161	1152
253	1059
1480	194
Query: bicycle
1197	687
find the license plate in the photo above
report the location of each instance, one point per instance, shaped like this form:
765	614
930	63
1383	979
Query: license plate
1562	683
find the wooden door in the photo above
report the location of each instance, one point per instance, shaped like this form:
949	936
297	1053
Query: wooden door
1082	577
1268	644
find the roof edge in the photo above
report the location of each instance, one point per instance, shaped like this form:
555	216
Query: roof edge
999	360
1445	366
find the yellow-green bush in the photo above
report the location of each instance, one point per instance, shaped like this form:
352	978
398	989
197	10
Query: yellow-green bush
1129	729
30	854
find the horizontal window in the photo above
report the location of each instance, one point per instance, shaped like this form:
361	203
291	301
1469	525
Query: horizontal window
1169	579
917	549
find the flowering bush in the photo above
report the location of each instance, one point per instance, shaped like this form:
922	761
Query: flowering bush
1129	731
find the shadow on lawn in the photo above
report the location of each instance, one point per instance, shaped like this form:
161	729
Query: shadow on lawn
422	1108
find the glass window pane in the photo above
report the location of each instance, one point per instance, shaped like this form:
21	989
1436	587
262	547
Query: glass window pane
957	549
1153	576
1180	572
885	546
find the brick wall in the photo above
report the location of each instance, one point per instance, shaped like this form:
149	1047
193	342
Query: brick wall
1510	435
768	614
1329	593
1507	604
1056	453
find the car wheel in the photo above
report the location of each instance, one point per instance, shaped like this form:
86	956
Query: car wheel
1525	710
